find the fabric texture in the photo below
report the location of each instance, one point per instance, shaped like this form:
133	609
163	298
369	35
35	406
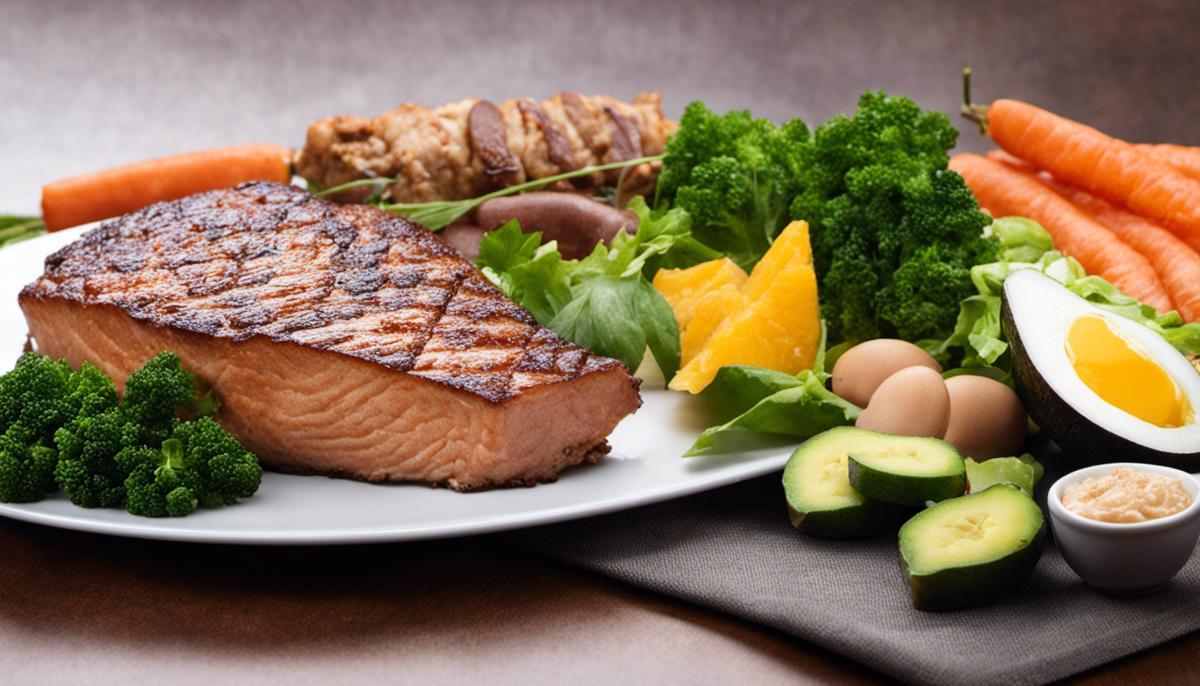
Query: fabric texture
734	550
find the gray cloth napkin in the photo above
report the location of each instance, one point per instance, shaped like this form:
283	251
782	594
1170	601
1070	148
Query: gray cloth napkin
733	550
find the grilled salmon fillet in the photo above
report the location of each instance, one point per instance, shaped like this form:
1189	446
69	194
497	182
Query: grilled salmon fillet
341	340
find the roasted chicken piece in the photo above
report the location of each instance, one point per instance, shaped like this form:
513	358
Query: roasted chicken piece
470	147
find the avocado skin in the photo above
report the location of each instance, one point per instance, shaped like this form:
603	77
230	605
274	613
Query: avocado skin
959	588
907	490
857	521
1083	441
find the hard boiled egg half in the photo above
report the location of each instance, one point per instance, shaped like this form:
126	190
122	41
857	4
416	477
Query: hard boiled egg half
1105	388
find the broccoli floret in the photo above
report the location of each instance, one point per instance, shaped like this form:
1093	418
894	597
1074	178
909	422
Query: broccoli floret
86	468
735	175
33	405
201	464
159	483
894	232
86	444
922	299
70	428
196	463
228	471
26	467
90	392
34	394
153	394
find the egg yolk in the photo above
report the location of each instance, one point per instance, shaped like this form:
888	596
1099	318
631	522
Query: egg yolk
1121	373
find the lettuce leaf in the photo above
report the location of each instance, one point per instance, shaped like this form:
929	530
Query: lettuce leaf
530	273
1021	239
977	339
802	411
666	240
737	388
1023	472
604	302
619	317
760	400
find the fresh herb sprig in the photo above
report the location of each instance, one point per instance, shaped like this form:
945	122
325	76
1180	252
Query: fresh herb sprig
439	214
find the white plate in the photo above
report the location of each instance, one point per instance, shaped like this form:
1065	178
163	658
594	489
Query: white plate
645	467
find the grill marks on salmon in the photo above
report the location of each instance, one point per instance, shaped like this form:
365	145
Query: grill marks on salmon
340	339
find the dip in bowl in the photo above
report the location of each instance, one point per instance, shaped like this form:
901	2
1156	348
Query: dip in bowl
1150	532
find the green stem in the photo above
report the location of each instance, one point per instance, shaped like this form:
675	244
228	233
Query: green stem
973	112
439	214
16	228
359	183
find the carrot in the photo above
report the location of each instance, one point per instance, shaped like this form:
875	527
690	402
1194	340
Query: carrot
1185	159
1176	263
111	192
1095	162
1004	191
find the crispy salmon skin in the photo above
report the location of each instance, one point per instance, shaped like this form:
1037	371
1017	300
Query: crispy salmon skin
341	340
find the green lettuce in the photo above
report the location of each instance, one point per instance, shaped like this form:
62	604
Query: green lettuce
753	399
604	302
977	339
530	273
1023	472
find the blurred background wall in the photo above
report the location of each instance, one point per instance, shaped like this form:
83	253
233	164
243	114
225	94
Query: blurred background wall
88	84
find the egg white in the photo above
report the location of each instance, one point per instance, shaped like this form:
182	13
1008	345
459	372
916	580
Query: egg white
1043	311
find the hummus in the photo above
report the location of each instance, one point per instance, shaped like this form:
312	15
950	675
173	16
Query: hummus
1126	496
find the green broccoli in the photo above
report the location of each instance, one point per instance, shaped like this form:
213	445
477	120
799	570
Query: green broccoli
735	175
153	396
86	470
26	466
71	429
158	483
195	463
230	471
918	299
33	405
90	391
34	394
201	464
894	233
86	444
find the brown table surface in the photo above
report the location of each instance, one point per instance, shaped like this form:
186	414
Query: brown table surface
91	84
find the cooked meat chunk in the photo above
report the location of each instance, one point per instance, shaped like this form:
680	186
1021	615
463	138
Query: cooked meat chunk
341	340
467	148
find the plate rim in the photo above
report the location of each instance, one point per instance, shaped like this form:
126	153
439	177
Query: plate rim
399	534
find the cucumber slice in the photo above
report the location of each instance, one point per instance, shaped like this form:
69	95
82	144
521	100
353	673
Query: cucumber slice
821	501
906	470
967	551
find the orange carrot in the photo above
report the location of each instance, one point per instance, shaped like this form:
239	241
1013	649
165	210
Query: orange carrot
1177	264
103	194
1005	191
1184	158
1100	164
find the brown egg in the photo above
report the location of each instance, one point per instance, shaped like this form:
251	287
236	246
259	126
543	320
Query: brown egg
986	418
911	402
860	370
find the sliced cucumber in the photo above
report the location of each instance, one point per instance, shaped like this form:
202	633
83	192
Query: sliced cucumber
906	470
821	501
967	551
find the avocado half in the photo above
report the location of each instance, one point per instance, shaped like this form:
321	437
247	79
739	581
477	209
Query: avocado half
1036	312
984	562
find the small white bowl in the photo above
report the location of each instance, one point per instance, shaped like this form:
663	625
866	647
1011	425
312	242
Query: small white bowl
1125	559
